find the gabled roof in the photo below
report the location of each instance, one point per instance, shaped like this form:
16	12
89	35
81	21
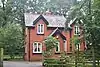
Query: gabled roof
74	21
51	20
40	17
57	31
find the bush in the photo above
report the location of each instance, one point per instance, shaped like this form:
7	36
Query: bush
53	63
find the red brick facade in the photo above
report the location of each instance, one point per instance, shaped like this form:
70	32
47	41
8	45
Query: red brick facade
32	36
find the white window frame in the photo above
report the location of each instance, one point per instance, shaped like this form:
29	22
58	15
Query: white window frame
58	44
41	28
76	30
77	47
37	47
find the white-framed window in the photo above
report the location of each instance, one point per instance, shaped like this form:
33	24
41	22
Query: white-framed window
78	46
57	47
65	45
40	28
37	47
76	30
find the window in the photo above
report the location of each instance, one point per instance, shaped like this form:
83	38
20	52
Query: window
37	47
76	30
40	29
58	47
78	46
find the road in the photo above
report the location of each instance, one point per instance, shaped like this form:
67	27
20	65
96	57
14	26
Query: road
21	64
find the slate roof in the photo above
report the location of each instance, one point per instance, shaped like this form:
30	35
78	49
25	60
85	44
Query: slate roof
53	20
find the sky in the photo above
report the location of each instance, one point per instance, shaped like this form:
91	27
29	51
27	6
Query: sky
78	0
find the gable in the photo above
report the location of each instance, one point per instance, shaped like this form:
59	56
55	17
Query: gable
57	32
39	18
75	21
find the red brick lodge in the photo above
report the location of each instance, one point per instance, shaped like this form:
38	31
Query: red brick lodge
40	26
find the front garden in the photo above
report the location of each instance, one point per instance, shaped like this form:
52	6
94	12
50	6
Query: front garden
75	59
69	61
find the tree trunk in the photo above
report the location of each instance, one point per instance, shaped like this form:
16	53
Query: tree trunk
1	57
93	57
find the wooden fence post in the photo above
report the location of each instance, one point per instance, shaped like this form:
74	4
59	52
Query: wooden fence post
1	57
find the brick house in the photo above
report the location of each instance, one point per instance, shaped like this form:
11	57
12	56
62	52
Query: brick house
40	26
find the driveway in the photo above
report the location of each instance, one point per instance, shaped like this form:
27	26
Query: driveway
21	64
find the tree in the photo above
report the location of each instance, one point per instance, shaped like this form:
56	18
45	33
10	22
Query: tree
89	12
93	36
38	6
11	39
6	14
76	42
50	43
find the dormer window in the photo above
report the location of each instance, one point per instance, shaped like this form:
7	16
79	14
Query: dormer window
40	29
76	30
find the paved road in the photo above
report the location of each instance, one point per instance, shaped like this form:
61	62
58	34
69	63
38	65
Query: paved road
21	64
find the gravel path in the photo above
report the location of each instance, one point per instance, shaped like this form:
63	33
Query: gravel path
21	64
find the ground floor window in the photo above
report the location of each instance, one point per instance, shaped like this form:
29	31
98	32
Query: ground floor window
58	47
78	46
37	47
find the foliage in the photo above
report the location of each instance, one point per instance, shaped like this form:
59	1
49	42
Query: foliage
6	12
75	40
90	16
39	6
50	43
11	39
53	62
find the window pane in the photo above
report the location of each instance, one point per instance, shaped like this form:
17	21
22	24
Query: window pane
78	46
39	47
75	30
39	28
58	47
35	47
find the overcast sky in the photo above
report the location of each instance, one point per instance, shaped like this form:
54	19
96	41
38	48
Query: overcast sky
78	0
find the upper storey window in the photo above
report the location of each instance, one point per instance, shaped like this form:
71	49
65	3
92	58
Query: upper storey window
76	30
40	29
